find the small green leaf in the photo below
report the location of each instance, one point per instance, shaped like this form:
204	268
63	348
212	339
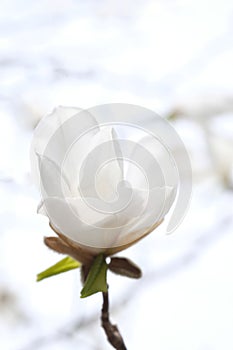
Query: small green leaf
63	265
97	278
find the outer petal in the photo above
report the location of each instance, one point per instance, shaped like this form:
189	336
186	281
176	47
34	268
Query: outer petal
128	207
154	160
154	210
56	133
52	182
87	226
65	219
44	131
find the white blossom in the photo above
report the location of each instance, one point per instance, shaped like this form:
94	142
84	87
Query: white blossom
96	185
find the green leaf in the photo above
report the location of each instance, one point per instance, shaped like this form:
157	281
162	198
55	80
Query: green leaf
97	278
63	265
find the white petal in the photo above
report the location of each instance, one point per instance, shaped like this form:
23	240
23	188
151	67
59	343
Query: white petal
52	181
118	151
156	167
41	209
102	170
65	219
87	210
44	131
56	133
158	203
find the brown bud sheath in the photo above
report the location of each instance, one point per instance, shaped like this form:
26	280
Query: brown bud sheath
124	267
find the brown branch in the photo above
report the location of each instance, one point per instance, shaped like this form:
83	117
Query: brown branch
112	332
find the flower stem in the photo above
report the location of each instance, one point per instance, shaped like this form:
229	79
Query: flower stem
112	332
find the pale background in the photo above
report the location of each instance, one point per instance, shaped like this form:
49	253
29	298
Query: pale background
175	57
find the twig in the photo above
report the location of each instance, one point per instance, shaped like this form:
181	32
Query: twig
112	332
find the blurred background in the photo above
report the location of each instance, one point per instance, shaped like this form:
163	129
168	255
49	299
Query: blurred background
174	57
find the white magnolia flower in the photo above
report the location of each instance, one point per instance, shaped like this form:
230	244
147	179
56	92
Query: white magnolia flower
100	190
